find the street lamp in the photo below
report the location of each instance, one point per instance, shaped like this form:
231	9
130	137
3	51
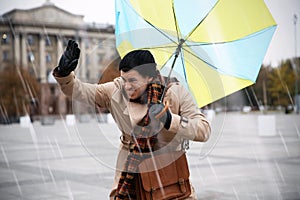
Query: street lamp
295	67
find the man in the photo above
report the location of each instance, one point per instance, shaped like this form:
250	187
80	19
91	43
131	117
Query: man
141	108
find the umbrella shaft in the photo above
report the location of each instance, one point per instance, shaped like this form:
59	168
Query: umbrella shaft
168	78
178	49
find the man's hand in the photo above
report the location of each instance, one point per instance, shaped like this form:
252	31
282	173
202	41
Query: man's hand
160	113
69	60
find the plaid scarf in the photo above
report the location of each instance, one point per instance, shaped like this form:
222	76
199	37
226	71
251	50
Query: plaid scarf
144	141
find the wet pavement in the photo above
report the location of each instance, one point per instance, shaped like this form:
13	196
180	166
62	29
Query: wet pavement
245	158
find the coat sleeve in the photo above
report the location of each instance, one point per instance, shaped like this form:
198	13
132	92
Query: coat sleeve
197	127
91	94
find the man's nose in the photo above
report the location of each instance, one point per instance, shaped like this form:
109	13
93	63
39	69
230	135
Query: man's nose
127	86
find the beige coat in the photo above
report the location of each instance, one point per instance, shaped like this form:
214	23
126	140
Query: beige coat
127	114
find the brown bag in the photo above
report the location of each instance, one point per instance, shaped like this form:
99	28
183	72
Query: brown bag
170	180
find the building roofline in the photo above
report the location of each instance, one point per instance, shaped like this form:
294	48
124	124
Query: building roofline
39	7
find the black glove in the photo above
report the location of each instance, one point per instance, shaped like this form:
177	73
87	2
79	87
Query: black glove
157	112
69	59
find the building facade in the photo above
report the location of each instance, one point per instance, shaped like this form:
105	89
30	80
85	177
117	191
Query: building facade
34	40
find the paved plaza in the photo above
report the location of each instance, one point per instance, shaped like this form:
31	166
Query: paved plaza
245	158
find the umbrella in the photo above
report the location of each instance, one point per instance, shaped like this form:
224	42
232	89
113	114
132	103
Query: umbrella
214	47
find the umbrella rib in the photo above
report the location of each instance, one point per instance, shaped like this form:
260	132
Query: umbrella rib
201	21
161	47
182	62
196	56
164	34
199	58
175	21
239	39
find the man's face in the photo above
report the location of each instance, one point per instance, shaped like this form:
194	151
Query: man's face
134	83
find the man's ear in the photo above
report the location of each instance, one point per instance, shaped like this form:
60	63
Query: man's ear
150	79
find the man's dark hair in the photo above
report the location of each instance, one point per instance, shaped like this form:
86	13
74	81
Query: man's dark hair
140	60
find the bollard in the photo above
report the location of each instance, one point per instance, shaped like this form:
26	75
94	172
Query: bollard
84	118
47	120
210	114
25	121
110	119
70	120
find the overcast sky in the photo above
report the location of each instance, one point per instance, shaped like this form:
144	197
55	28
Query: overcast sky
102	11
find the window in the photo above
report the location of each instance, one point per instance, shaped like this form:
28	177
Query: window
30	57
87	60
66	40
100	44
30	40
48	58
112	57
5	56
100	58
87	44
87	74
5	39
48	41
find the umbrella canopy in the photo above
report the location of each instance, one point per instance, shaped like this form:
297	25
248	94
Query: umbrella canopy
220	43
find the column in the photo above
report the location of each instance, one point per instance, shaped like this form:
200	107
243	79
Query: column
82	66
43	70
62	100
24	60
17	58
93	66
60	48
